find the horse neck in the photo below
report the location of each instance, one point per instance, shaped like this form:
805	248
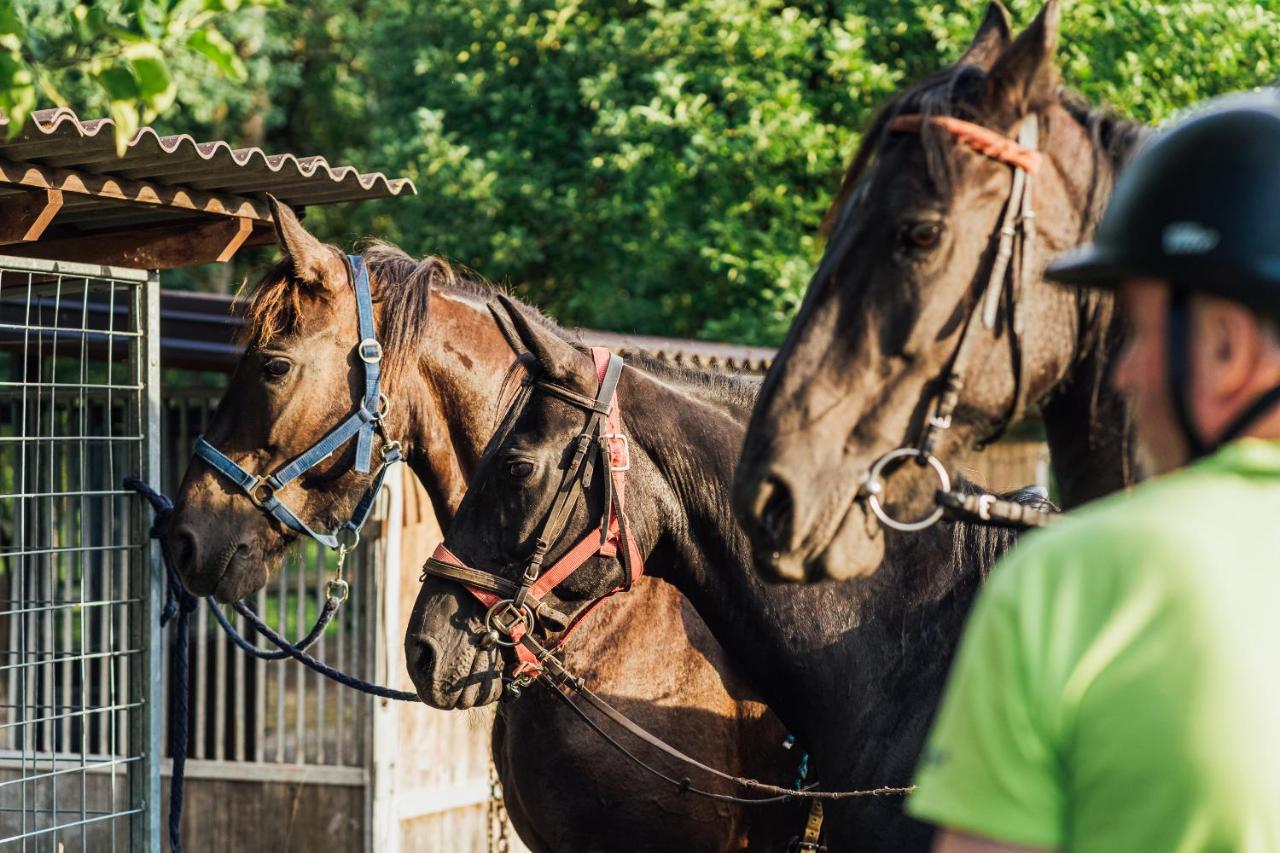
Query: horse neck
450	396
815	652
1086	421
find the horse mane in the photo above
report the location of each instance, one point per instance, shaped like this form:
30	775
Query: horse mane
274	306
955	91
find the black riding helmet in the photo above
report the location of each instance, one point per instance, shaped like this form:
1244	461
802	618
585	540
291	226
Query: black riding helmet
1198	207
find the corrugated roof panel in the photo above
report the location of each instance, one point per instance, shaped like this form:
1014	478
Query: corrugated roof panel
60	139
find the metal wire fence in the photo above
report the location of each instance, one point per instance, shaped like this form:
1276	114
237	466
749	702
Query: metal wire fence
255	719
76	619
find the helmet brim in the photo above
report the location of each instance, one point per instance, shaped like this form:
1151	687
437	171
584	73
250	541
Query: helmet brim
1089	266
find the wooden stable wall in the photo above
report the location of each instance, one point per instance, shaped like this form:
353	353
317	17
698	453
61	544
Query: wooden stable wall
431	788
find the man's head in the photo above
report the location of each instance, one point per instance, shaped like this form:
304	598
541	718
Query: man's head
1234	358
1191	241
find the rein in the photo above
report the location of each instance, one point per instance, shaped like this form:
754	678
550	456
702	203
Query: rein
514	609
1015	236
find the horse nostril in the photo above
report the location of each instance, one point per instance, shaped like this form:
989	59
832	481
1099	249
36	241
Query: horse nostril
775	513
420	658
184	549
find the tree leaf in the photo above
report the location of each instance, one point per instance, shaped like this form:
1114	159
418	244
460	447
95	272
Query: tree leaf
151	71
222	53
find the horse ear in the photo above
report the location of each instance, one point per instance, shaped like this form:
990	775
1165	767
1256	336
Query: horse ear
557	356
991	39
1024	76
313	263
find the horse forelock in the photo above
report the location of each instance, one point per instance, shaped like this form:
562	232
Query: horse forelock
956	91
275	306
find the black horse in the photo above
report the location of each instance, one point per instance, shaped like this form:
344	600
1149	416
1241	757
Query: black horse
854	669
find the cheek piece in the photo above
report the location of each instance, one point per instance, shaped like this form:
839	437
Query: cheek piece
514	608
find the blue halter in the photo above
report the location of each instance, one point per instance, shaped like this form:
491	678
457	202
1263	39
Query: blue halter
262	489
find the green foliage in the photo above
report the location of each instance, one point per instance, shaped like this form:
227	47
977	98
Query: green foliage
68	51
661	167
657	166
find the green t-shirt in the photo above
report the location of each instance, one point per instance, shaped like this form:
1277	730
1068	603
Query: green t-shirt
1118	685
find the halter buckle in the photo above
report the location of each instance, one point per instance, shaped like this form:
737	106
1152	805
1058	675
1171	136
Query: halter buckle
940	422
369	350
625	465
260	482
873	490
347	538
514	617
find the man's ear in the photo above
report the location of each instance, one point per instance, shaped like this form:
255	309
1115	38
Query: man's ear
1024	76
991	39
313	262
1231	343
558	358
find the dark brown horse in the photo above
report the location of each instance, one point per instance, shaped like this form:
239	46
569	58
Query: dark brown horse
446	362
854	669
879	327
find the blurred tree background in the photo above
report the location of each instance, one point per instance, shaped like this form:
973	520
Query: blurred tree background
653	166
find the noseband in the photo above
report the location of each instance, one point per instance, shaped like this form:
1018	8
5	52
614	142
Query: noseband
514	608
263	490
1016	234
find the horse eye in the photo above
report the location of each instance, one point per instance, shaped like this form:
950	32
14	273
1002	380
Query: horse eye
520	470
923	235
276	367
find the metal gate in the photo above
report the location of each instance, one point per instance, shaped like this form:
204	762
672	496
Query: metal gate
79	665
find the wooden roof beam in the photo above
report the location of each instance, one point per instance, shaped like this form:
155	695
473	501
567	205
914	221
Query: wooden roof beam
179	245
125	191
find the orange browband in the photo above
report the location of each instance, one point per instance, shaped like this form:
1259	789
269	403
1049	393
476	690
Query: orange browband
976	137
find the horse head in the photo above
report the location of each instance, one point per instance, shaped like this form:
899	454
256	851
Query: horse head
931	240
541	491
302	372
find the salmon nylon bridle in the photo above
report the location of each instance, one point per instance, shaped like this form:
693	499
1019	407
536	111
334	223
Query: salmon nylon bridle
514	609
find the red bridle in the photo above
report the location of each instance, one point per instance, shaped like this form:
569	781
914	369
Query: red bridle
526	604
981	139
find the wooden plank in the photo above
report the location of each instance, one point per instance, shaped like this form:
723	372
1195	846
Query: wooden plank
25	216
171	246
127	191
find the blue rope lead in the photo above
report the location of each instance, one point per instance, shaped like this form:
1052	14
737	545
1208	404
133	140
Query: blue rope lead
178	606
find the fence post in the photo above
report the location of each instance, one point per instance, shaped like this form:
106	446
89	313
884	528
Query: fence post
388	665
144	776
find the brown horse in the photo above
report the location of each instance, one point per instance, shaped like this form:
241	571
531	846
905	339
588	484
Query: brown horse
446	362
879	329
855	669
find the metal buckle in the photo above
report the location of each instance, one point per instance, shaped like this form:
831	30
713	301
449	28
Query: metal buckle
384	406
518	616
375	356
347	538
873	489
626	451
260	482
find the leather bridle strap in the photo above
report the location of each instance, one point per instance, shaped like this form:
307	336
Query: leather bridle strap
361	424
1018	219
1015	238
603	434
